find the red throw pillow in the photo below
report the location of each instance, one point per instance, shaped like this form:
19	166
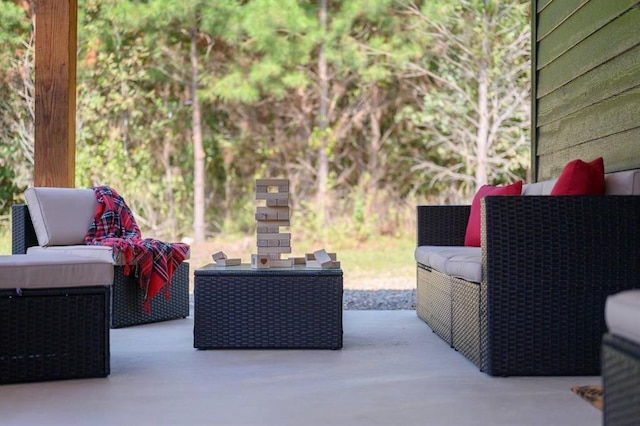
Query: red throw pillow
472	236
580	178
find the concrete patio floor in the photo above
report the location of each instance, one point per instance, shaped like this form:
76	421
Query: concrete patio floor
392	371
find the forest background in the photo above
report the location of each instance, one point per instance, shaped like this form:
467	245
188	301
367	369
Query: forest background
367	107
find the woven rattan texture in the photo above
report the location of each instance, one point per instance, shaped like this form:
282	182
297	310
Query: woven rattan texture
23	234
465	319
442	225
54	334
268	310
621	381
127	299
548	265
434	301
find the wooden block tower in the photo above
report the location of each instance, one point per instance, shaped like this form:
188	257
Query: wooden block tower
270	241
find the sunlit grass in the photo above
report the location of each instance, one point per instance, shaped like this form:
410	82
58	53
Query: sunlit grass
5	240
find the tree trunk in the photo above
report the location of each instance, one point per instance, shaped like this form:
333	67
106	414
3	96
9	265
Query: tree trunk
482	136
323	161
198	150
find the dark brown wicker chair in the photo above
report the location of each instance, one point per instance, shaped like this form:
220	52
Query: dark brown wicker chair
548	265
126	295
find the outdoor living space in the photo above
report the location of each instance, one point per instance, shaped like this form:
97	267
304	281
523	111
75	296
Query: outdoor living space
392	370
370	111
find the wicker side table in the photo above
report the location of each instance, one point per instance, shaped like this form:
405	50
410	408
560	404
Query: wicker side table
293	308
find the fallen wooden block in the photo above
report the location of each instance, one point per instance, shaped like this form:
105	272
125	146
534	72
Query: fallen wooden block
218	255
229	262
320	259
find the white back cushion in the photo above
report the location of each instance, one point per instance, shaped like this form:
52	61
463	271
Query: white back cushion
61	216
618	183
539	188
623	183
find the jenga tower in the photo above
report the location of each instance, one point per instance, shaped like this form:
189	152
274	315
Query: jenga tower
270	241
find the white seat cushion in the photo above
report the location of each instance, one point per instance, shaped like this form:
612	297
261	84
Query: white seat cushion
53	271
61	216
103	253
622	314
456	261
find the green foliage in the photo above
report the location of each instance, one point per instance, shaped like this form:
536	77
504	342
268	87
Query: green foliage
15	104
399	123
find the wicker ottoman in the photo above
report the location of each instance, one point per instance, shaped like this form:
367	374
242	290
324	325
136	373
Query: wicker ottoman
54	318
240	307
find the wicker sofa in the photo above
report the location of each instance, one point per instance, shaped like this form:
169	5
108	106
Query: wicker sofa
63	216
530	300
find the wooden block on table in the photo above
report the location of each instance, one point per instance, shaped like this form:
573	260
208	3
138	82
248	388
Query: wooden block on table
272	182
218	255
280	196
265	229
281	263
322	256
259	261
274	236
229	262
314	264
266	216
311	256
272	242
274	250
283	215
277	203
298	260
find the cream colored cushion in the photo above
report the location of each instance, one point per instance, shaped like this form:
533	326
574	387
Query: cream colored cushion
53	271
60	216
622	183
457	261
104	253
622	314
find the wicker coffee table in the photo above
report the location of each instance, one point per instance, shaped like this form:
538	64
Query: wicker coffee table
241	307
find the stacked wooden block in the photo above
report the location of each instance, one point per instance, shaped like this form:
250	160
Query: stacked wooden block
274	214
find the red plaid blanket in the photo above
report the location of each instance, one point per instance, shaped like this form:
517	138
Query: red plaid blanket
114	225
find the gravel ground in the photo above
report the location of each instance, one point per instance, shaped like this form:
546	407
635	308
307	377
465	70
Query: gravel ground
379	299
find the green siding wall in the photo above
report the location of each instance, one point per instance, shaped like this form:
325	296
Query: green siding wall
586	84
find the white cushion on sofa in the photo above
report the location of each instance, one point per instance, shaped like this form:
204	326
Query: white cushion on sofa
622	314
539	188
456	261
60	216
53	271
104	253
623	183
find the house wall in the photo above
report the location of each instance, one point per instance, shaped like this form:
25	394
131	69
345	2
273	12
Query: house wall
586	84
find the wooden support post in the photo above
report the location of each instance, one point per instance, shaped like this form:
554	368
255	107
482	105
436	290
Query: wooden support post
55	92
